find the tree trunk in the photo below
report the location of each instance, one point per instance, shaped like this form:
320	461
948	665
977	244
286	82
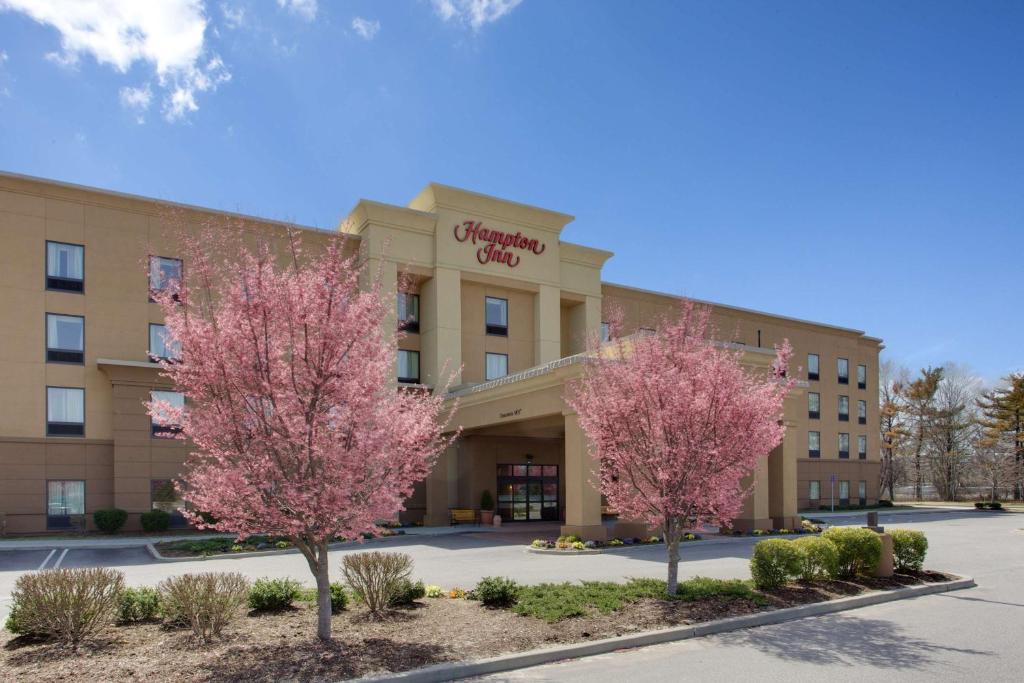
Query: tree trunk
323	591
672	541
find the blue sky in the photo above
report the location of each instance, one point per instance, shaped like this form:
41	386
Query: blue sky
857	163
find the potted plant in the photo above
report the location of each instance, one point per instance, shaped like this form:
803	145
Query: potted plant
486	508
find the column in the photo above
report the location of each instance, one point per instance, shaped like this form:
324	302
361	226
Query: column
388	273
582	497
584	322
440	488
441	327
755	514
547	325
782	475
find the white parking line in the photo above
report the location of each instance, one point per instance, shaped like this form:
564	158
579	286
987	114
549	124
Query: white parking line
46	560
56	565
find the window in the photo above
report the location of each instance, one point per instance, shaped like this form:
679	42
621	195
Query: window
813	405
862	377
813	444
843	370
844	445
862	447
606	332
862	492
164	496
161	346
862	412
63	499
161	424
497	365
844	492
812	366
163	274
408	366
65	267
844	408
65	338
65	411
496	312
409	312
814	490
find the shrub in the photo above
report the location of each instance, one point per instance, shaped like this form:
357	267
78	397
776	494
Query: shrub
995	505
407	593
435	592
339	597
206	603
67	604
819	558
273	595
155	520
207	518
539	543
980	505
702	588
15	625
456	593
375	576
110	520
809	526
774	562
578	545
615	542
908	549
883	503
282	545
486	501
138	604
496	591
858	550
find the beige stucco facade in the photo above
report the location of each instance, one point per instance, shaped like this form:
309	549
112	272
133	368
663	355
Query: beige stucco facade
454	250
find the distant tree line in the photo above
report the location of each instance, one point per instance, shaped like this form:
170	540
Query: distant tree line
944	435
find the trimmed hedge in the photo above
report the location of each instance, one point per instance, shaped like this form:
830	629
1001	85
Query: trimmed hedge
774	563
138	604
110	520
908	549
859	550
819	558
155	521
273	595
496	591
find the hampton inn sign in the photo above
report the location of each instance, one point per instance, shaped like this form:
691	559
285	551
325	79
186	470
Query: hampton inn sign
497	244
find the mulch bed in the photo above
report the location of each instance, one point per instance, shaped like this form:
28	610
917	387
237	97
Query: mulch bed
282	646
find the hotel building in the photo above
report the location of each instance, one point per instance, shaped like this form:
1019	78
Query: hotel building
488	285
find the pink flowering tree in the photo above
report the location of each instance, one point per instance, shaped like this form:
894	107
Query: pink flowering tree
676	422
297	427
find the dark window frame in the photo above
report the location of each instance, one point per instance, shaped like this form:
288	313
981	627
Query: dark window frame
494	353
52	284
65	520
149	351
862	455
813	376
411	380
843	455
149	274
53	354
862	484
864	384
159	431
813	414
813	452
495	330
862	419
69	430
841	378
843	417
410	326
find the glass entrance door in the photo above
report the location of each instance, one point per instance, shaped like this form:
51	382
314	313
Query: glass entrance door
528	493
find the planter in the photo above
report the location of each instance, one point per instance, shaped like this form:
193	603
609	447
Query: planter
486	517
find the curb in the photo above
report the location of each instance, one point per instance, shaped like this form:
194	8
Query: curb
454	671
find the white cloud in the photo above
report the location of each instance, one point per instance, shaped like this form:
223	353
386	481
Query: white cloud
137	99
366	28
168	35
306	9
234	17
3	56
476	13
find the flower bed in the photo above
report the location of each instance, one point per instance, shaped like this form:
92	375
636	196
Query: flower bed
576	544
271	646
228	546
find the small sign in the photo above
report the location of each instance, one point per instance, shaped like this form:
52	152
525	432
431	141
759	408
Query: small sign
511	413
